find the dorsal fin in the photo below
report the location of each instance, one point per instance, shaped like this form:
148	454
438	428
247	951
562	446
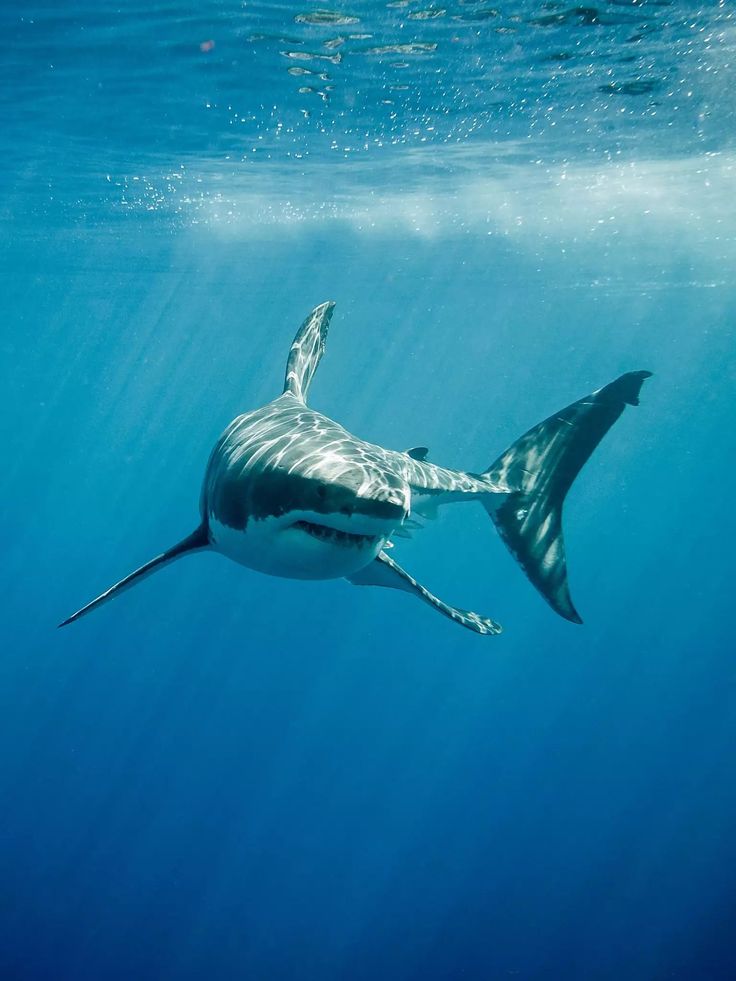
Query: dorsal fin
307	350
418	453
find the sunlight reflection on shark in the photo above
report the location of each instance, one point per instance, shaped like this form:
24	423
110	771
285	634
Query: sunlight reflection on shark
288	492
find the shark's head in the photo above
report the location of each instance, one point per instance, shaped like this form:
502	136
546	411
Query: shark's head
318	516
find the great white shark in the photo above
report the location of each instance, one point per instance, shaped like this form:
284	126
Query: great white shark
291	493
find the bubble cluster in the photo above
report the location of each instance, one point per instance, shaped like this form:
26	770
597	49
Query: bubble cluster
251	95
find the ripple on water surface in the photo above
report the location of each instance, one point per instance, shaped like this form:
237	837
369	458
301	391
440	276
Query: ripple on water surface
159	112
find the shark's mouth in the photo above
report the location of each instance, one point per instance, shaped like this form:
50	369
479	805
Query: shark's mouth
336	537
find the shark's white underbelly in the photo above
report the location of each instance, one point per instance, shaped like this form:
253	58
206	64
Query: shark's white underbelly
302	545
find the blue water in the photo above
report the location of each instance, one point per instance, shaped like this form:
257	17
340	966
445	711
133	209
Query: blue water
226	776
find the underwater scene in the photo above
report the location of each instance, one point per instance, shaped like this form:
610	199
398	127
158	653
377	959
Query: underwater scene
508	754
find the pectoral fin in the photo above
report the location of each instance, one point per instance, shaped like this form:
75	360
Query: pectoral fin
383	571
192	543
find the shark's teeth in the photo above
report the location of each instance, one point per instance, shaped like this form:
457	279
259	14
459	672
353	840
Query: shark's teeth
334	536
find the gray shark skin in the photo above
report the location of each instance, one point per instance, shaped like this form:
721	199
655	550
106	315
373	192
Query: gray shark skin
289	492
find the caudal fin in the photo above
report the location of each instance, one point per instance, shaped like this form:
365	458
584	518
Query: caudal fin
538	471
192	543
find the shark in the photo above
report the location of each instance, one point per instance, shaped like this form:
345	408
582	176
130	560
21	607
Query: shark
289	492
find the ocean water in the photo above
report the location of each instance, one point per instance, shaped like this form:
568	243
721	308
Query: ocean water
227	776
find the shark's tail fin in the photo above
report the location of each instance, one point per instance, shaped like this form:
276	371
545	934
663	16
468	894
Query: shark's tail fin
538	471
192	543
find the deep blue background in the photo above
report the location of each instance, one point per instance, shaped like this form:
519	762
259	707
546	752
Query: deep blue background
222	775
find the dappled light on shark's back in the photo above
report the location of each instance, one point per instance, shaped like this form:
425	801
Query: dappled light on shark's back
290	493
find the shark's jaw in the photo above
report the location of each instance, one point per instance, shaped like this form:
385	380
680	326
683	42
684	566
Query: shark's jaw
304	544
335	536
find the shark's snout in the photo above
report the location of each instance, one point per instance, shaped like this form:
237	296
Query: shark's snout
389	509
389	504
